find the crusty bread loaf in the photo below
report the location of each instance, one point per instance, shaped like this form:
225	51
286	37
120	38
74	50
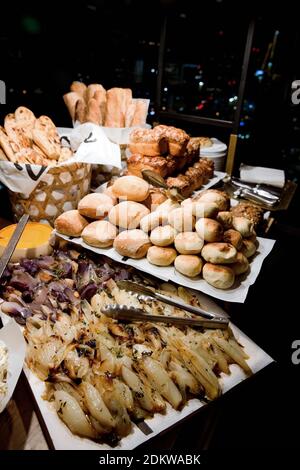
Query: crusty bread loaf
132	243
70	223
188	265
221	277
219	253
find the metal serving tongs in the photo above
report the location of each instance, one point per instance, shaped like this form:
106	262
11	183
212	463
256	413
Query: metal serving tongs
158	182
122	312
149	292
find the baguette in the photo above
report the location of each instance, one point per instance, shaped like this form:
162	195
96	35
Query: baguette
141	111
93	113
100	97
70	100
80	111
8	147
79	88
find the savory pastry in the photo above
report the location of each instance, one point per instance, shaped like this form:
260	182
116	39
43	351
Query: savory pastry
100	234
177	139
160	256
153	220
209	230
182	220
127	214
188	265
248	248
95	205
132	243
163	236
136	163
241	265
221	277
131	188
156	197
225	218
243	225
70	223
233	237
201	209
147	142
218	197
188	243
219	253
250	211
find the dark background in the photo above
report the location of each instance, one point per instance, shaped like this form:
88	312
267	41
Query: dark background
44	46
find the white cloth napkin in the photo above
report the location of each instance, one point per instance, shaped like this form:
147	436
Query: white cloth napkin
262	175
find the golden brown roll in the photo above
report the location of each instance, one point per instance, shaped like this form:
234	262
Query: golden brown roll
241	264
243	225
188	265
248	248
188	243
156	197
225	218
131	188
219	253
221	277
95	205
233	237
127	214
218	197
182	220
70	223
210	230
153	220
100	234
161	256
132	243
108	192
201	209
163	236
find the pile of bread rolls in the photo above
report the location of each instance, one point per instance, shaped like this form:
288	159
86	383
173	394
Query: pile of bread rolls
199	236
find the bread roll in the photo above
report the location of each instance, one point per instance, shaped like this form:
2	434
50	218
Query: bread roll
188	265
168	206
153	220
108	191
182	219
95	205
70	223
100	234
225	218
188	243
241	264
233	237
163	236
248	248
210	230
218	197
201	209
219	253
155	198
243	225
132	243
127	214
221	277
131	188
161	256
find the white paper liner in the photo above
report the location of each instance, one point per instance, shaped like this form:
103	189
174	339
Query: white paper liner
12	336
63	439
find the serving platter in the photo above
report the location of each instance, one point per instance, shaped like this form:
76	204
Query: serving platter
63	439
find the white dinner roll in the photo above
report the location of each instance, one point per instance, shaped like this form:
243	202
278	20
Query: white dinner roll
132	243
219	253
95	205
201	209
221	277
188	243
188	265
161	256
163	236
182	219
243	225
127	214
167	206
225	218
248	248
218	197
153	220
233	237
100	234
131	188
241	264
210	230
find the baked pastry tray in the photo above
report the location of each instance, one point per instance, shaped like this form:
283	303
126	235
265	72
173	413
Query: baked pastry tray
61	438
237	293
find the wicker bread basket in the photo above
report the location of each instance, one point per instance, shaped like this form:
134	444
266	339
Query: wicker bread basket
59	190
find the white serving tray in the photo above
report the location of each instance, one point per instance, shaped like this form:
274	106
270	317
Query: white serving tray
63	439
